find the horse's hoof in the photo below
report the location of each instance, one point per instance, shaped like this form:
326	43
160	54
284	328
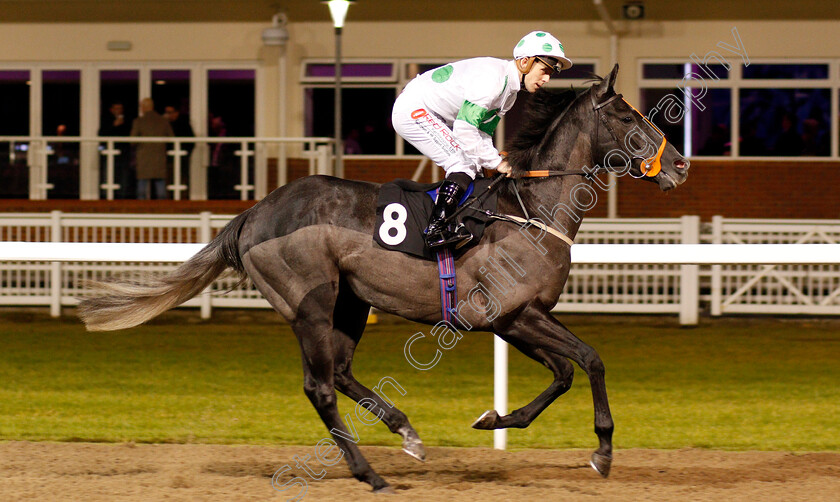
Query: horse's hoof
415	449
385	489
601	463
486	421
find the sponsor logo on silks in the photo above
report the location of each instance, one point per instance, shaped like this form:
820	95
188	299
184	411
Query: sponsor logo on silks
437	131
442	74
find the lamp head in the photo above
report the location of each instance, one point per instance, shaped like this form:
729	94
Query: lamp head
338	11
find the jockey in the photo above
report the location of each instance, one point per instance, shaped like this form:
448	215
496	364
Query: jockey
450	113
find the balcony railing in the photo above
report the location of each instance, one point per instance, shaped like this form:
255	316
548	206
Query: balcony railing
98	154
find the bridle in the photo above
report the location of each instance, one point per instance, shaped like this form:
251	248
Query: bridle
650	167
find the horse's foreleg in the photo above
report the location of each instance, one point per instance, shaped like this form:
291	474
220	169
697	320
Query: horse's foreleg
349	321
563	374
536	327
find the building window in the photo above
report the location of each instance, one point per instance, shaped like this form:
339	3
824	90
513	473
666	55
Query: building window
782	108
231	112
61	113
368	91
365	117
14	101
785	122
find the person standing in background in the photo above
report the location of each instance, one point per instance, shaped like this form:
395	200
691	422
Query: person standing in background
151	157
181	128
115	124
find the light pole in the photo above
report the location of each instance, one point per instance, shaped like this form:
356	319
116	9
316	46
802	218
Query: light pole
338	11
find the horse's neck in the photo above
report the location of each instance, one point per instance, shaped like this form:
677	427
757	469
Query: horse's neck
561	201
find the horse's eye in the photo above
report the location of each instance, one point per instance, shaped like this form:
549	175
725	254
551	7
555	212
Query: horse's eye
627	120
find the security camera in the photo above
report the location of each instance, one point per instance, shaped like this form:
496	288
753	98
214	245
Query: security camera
633	10
277	34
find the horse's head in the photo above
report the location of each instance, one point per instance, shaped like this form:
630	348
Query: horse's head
627	142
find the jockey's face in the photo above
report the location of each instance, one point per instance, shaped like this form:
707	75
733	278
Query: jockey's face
538	76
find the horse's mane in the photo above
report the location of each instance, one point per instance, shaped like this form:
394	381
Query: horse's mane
542	110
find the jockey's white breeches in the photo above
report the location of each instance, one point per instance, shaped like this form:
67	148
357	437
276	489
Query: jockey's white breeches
429	134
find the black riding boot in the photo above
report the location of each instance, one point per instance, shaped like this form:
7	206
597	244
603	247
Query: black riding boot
438	233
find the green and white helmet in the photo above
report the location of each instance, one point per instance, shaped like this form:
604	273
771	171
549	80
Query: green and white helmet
541	43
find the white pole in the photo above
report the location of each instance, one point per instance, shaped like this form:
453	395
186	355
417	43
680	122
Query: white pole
690	275
55	267
205	231
500	388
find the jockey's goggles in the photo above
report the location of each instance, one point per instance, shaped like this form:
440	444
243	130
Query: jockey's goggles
550	62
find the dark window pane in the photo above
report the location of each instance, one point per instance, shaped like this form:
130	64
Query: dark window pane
171	94
13	170
365	117
679	71
230	97
171	88
231	102
578	71
61	101
118	95
14	103
710	128
14	107
663	70
350	70
786	71
718	70
674	132
785	122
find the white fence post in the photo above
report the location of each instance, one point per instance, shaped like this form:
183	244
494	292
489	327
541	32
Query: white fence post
55	267
717	270
206	297
323	160
500	387
690	275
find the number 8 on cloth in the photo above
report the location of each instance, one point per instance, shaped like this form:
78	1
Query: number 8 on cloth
392	231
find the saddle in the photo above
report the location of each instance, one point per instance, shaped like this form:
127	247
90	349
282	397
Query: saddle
404	207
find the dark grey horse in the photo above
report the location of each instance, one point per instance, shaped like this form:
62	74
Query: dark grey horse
308	248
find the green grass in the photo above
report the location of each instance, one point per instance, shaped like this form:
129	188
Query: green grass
731	384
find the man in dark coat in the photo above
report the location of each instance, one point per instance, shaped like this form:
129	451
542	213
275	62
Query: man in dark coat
151	157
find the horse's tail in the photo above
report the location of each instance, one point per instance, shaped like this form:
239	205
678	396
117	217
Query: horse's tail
123	303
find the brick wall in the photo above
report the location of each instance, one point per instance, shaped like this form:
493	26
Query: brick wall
735	189
738	189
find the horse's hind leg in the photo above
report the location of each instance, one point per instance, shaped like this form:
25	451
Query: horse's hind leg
314	329
349	321
311	317
563	371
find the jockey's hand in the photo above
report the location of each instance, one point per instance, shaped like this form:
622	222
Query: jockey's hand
503	168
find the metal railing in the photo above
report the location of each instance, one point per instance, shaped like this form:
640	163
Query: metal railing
648	287
251	151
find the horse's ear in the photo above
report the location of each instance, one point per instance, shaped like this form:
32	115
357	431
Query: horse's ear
607	84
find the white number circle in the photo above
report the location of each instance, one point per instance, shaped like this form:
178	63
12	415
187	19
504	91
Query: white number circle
394	215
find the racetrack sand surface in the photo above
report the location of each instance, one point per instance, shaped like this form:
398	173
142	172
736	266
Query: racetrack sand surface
122	472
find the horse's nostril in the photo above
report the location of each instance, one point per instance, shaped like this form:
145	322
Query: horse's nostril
681	164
